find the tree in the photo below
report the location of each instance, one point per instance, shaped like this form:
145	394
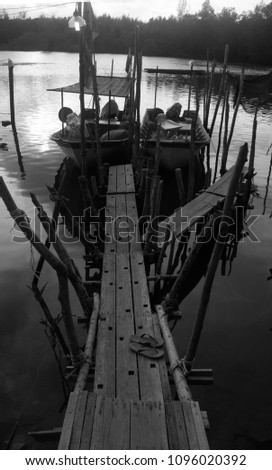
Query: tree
182	8
207	11
228	13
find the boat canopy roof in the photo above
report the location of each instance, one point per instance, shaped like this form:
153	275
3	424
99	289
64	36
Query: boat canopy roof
117	86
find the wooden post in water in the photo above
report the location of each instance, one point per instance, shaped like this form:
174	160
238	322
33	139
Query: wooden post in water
12	115
156	87
226	88
251	156
11	91
221	239
174	297
191	182
209	97
226	150
190	84
221	88
60	268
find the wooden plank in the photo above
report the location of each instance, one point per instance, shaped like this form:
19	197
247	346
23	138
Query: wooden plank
199	425
109	226
126	360
112	180
121	179
78	420
67	427
121	225
172	431
111	424
130	186
88	422
135	242
190	425
182	434
148	426
149	374
104	380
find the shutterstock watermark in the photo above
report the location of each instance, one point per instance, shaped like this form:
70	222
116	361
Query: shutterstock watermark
124	229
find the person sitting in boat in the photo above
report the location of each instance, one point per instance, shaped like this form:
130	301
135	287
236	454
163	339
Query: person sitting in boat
110	110
173	112
149	123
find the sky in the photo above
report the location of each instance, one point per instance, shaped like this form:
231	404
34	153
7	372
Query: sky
141	9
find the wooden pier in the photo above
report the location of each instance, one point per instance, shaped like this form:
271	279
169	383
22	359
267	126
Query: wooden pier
131	405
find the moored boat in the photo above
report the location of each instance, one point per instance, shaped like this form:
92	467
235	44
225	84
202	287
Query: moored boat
113	124
175	137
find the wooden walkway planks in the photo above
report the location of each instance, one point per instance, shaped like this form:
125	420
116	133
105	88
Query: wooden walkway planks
99	422
121	179
134	376
131	406
105	350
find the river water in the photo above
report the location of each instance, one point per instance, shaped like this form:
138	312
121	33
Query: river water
237	338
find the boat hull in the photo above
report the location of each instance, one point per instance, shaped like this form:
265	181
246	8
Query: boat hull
173	153
113	152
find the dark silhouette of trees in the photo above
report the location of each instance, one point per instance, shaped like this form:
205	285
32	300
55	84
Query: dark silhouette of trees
249	35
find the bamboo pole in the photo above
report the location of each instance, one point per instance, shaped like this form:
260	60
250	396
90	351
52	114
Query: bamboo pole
220	135
97	108
60	268
225	156
225	136
267	185
11	91
174	297
89	347
183	391
190	84
156	87
191	182
82	104
52	322
251	156
61	251
206	84
12	116
209	96
219	245
55	215
221	87
180	185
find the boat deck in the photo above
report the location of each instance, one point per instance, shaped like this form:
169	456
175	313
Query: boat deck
130	406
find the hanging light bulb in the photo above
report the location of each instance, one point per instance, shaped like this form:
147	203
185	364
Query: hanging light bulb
76	21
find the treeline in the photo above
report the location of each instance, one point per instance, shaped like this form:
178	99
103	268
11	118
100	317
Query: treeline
186	36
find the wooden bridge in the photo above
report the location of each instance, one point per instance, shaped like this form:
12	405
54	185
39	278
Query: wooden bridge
131	404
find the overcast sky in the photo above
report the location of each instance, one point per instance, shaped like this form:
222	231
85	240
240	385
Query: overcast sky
141	9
